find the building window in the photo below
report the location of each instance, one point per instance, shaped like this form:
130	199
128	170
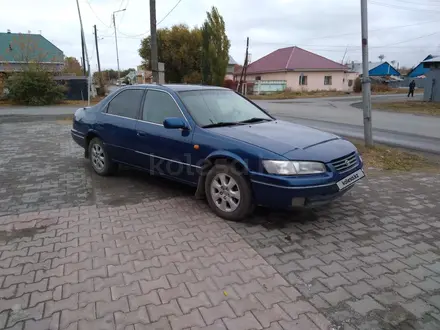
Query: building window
350	82
258	78
327	80
302	80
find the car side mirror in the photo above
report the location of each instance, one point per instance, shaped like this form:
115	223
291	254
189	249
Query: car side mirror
175	123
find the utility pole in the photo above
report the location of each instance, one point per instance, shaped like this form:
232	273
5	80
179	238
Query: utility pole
366	84
101	83
89	78
244	69
83	63
154	55
85	55
83	60
116	40
246	66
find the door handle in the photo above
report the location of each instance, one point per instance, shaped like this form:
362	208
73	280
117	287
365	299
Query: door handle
141	134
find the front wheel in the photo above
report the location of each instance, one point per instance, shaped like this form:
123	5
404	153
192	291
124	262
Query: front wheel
99	158
228	192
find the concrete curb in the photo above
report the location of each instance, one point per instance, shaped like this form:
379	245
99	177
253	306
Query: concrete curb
32	118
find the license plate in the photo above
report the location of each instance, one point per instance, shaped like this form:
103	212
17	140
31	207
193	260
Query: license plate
351	179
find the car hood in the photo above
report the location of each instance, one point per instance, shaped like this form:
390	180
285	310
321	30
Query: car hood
277	136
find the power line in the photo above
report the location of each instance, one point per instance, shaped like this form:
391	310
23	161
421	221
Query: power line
315	38
419	4
147	32
96	15
120	7
403	8
169	12
374	30
407	40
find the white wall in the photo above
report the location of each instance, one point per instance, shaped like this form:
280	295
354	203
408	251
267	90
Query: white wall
315	80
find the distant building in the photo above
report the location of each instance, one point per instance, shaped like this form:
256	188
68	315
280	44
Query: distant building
432	80
18	50
420	70
230	69
298	70
376	69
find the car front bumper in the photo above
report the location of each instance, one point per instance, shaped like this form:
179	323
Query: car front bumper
283	192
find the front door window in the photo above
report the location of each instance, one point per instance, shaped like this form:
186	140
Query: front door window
158	106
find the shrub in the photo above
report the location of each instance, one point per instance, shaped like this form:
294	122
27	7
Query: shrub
229	83
357	86
34	87
380	88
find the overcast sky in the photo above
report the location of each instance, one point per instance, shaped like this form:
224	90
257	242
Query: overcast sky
403	30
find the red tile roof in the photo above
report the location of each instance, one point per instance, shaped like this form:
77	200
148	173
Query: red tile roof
237	69
293	59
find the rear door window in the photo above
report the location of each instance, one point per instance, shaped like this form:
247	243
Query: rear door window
126	104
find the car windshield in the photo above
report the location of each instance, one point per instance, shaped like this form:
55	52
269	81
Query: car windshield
221	107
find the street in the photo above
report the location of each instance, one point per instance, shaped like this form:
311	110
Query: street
134	252
335	115
182	206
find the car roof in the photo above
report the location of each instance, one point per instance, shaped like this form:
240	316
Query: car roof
181	87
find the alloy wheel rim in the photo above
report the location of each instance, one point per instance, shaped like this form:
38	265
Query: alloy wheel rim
225	192
98	157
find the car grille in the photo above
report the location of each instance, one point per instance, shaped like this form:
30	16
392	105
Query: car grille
345	163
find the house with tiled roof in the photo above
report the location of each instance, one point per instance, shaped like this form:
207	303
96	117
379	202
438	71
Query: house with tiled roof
18	50
301	70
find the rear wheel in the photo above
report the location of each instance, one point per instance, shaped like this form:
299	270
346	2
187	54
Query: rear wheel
99	158
228	192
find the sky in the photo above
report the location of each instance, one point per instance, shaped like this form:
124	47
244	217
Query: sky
404	31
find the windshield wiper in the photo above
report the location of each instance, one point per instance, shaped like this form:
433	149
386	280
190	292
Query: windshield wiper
254	120
222	123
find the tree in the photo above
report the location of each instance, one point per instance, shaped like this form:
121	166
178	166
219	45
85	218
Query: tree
215	49
381	57
71	65
405	70
126	72
179	48
34	86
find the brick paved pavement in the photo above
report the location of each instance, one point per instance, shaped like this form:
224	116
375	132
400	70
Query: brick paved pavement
41	168
132	252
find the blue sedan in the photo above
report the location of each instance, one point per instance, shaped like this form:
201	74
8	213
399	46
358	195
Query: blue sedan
236	154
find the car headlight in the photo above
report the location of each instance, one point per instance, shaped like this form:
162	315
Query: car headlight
283	167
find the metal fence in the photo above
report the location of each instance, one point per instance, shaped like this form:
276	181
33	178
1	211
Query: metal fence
420	83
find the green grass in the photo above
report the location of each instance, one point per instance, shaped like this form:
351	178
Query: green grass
395	159
409	106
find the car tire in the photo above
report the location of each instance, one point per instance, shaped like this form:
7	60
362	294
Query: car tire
99	158
228	192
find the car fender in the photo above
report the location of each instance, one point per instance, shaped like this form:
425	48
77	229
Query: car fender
91	133
226	155
209	161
